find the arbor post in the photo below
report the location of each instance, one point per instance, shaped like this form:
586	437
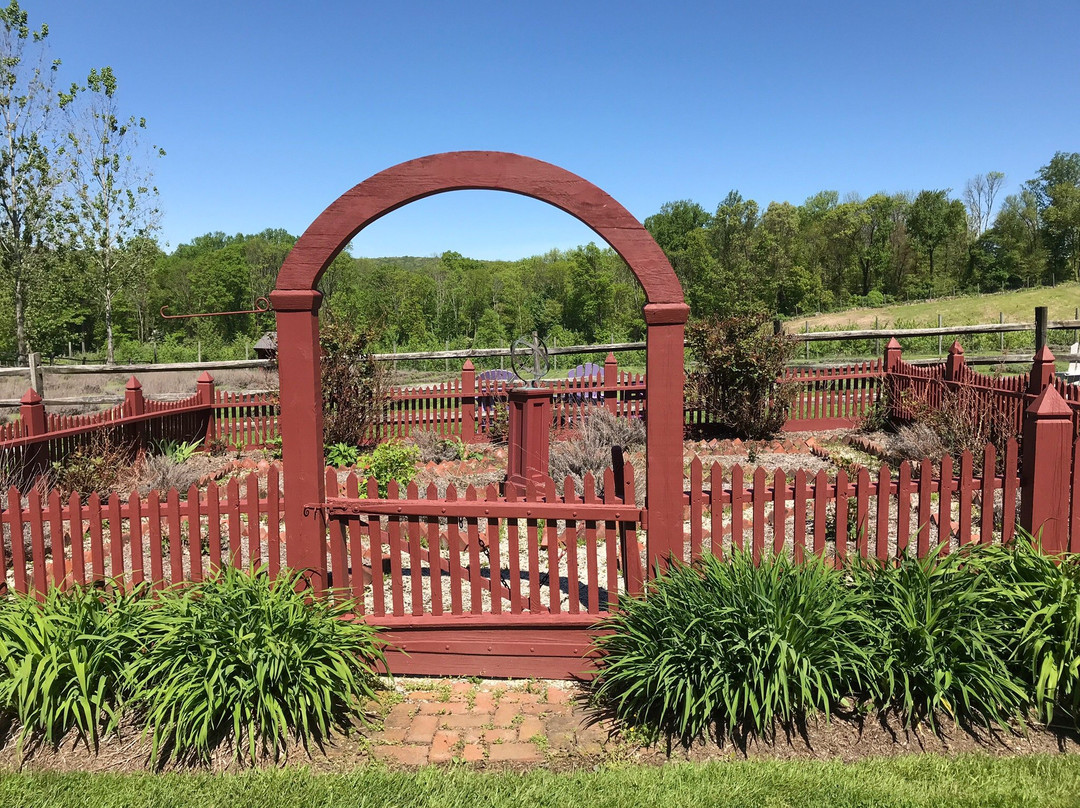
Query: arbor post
664	437
1045	479
468	402
301	424
205	386
611	383
36	455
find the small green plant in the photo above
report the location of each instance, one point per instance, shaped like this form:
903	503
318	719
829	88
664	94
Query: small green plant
245	657
178	451
64	660
340	455
272	447
392	460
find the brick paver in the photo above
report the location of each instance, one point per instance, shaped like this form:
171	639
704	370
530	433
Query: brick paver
503	723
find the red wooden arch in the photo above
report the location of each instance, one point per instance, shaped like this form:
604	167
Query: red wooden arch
296	303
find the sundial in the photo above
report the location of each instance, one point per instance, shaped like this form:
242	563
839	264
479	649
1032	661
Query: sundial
529	358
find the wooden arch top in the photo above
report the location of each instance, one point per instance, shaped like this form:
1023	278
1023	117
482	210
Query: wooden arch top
478	170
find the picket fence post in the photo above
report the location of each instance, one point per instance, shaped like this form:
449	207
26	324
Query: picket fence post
1042	371
954	364
468	402
205	387
32	414
1045	478
611	383
135	404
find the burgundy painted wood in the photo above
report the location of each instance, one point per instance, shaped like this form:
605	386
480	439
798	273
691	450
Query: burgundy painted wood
296	302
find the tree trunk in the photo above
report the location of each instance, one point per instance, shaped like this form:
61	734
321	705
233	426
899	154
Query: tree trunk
20	320
109	357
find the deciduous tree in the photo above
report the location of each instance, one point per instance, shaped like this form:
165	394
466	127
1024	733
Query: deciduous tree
113	203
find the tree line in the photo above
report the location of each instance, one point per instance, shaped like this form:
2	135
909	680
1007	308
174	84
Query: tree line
830	254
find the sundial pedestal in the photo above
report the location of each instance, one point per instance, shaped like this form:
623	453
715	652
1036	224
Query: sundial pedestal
529	437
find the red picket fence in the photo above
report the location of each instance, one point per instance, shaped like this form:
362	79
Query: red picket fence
832	398
245	420
884	514
157	538
239	420
918	389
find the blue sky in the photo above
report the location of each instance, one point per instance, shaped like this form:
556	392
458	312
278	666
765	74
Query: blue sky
270	110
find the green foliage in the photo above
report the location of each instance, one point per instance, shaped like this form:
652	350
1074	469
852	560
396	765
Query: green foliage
941	638
392	460
340	455
354	395
272	446
243	657
179	451
736	364
732	645
64	661
1044	604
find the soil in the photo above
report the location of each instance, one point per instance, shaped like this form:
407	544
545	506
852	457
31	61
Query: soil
575	738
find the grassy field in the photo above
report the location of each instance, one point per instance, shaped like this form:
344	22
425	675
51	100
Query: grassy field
1017	306
909	781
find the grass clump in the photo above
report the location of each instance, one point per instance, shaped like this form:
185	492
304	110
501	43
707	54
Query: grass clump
65	660
253	660
941	636
731	646
1044	604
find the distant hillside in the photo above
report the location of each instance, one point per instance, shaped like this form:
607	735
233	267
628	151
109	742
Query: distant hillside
1018	306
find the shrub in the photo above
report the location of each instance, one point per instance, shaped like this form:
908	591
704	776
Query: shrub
64	660
243	657
733	645
353	385
499	425
589	450
101	464
941	638
390	461
737	363
436	448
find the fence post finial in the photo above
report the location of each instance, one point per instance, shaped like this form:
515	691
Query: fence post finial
134	401
892	354
1045	478
1042	371
955	362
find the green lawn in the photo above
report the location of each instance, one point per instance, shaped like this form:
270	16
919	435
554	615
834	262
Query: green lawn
909	781
1017	307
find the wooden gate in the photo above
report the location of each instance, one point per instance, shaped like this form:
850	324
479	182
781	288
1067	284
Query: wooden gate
481	582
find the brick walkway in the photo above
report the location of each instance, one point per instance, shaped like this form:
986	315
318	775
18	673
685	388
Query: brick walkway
483	722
